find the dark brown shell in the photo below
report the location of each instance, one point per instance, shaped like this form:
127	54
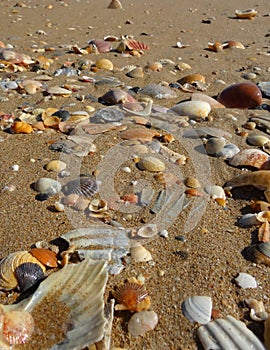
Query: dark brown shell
131	295
84	186
28	274
45	256
241	95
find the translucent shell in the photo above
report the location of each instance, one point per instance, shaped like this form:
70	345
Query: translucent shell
46	256
132	297
8	265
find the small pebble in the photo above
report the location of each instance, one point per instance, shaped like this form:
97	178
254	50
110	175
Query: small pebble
164	233
15	167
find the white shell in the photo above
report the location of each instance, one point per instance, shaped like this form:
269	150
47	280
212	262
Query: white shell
57	90
193	109
248	220
245	280
81	287
257	310
197	308
48	186
228	333
215	192
142	322
148	231
265	87
140	254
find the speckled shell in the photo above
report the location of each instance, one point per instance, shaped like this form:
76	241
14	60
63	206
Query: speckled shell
228	333
241	95
197	308
249	157
8	280
46	256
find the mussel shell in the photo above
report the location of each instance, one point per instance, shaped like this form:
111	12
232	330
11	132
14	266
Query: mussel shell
28	274
84	186
264	248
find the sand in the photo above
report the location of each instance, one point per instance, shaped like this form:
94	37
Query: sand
212	251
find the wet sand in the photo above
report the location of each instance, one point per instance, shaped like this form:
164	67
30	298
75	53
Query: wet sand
213	247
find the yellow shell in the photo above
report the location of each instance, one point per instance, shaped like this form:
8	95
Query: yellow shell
8	265
104	63
21	128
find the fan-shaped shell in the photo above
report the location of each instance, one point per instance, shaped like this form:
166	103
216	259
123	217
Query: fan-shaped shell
135	45
28	274
84	186
8	265
228	333
46	256
132	296
197	308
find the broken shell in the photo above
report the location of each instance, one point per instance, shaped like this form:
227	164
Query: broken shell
246	14
8	280
148	231
245	280
132	296
140	254
233	44
104	63
228	333
214	145
52	122
197	96
216	47
267	333
197	309
142	322
47	186
98	205
151	163
249	157
241	95
28	274
130	198
18	327
84	186
193	109
257	310
257	140
191	79
155	66
46	256
143	135
215	192
55	166
21	128
136	45
135	73
58	91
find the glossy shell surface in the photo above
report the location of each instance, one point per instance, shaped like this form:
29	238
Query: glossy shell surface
46	256
28	274
197	308
142	322
228	333
193	109
47	186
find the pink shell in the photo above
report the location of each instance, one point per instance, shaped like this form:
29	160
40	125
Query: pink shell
18	327
136	45
249	157
102	45
116	96
196	96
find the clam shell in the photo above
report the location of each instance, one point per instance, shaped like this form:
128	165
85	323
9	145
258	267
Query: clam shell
197	308
115	4
249	157
55	166
47	186
233	44
196	96
191	79
241	95
248	220
102	45
246	14
193	109
28	274
147	231
264	248
151	163
228	333
140	254
215	192
257	140
21	128
135	73
46	256
81	288
57	90
245	280
104	63
84	186
142	322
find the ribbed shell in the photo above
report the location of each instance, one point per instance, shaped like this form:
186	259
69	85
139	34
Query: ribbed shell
28	274
197	308
130	295
84	186
8	265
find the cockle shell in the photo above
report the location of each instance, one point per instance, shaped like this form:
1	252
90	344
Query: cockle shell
151	163
245	280
47	186
84	186
46	256
241	95
197	308
132	297
142	322
246	14
104	63
55	166
140	254
21	128
8	280
228	333
249	157
193	109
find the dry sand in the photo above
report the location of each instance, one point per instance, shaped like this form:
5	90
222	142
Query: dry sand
214	246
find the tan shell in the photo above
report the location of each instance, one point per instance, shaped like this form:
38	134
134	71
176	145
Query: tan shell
115	4
151	163
8	265
52	122
246	14
104	63
21	128
233	44
98	205
58	91
192	78
154	66
140	254
55	166
135	73
143	135
216	47
192	182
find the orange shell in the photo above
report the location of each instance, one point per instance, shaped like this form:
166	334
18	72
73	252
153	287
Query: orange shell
216	47
135	45
46	256
133	297
194	192
192	78
130	198
21	128
143	135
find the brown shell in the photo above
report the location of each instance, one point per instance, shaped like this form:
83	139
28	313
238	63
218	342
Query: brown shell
45	256
132	296
143	135
191	79
136	45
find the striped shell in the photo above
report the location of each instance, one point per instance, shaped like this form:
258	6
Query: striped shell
135	45
8	280
84	186
132	296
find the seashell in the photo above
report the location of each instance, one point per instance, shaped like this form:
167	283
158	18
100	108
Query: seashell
193	192
166	179
193	109
148	231
259	253
142	322
135	73
257	140
107	115
46	256
115	4
197	96
130	198
140	254
228	151
71	199
248	220
197	308
132	297
233	44
58	91
8	280
52	122
139	134
47	186
214	145
84	186
61	114
228	333
265	87
31	86
215	192
116	96
249	157
18	327
104	63
151	163
135	45
183	66
59	207
154	66
241	95
216	47
21	128
245	280
28	274
55	166
192	182
246	14
257	310
267	333
81	204
102	45
191	79
158	91
98	205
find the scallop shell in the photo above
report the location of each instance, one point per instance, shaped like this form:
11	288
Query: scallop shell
193	109
228	333
84	186
197	308
28	274
246	14
132	297
81	288
46	256
136	45
142	322
8	265
249	157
